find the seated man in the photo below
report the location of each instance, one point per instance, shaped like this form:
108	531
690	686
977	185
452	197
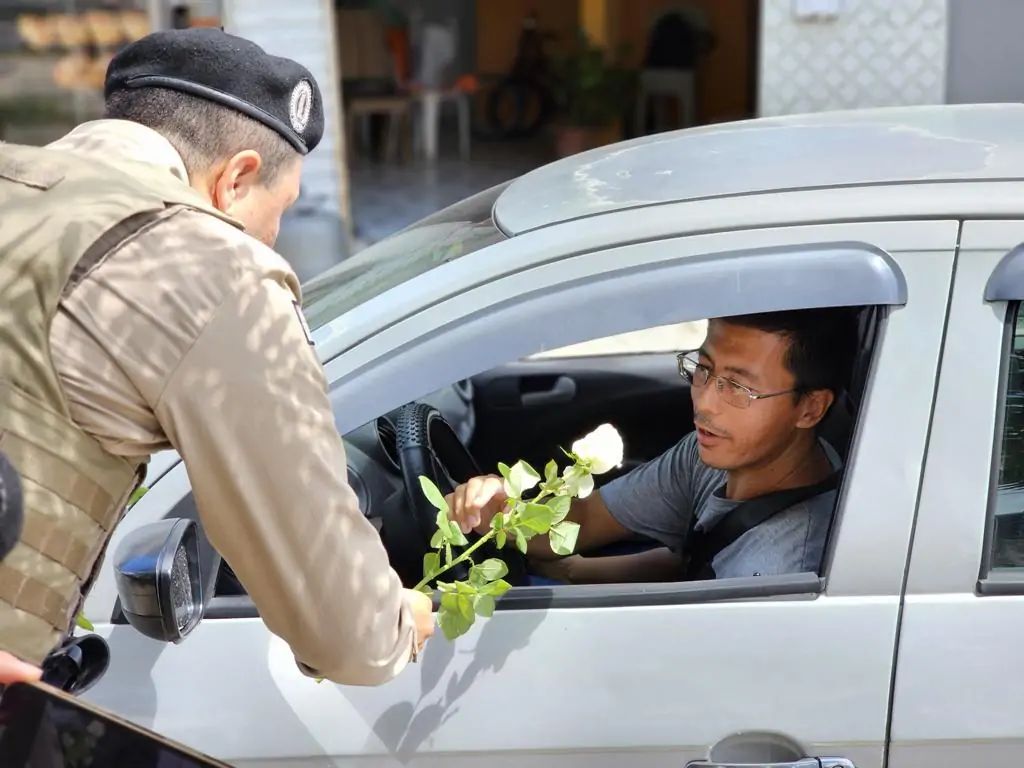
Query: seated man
761	385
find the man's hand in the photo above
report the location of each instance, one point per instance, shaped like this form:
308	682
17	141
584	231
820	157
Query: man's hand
474	504
423	615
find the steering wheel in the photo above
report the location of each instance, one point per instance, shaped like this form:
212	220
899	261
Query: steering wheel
427	445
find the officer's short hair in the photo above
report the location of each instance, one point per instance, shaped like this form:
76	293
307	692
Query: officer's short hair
202	131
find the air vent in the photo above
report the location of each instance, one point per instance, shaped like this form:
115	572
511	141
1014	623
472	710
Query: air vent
387	436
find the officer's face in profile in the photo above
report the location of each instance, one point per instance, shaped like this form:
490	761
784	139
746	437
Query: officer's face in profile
240	190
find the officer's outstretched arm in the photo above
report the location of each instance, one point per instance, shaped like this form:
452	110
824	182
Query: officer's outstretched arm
248	411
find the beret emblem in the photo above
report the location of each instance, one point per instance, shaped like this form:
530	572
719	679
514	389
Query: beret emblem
300	105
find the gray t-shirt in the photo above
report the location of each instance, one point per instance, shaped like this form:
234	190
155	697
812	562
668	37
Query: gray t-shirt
660	498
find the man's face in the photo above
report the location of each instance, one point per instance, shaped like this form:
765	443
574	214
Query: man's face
733	438
241	193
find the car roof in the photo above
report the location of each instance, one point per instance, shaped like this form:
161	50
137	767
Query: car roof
974	142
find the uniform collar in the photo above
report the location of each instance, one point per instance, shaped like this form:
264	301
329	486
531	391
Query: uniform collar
126	140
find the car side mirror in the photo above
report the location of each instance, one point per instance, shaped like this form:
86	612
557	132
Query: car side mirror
157	572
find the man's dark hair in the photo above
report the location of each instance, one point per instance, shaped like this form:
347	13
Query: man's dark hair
822	344
202	131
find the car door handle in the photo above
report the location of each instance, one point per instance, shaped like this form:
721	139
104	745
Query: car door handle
806	762
562	390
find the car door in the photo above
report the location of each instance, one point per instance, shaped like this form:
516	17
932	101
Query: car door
956	697
741	670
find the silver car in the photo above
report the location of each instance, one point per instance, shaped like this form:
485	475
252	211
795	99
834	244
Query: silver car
524	316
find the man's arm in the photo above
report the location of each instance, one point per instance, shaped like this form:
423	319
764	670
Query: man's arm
475	503
655	500
248	411
653	565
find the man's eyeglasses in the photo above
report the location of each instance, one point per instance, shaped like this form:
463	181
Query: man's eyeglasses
734	393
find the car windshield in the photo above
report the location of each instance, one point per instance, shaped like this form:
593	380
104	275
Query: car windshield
445	236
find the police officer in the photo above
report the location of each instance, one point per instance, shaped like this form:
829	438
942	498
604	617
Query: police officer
142	308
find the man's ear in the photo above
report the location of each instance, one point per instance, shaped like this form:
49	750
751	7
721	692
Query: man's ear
813	407
239	175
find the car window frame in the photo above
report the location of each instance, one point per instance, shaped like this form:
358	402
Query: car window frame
882	283
652	594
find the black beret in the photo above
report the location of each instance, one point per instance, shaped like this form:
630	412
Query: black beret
228	70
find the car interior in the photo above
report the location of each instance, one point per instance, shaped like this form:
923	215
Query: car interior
531	409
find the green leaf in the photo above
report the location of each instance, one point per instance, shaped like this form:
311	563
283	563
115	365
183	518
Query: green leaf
560	506
437	540
492	569
449	617
498	521
484	605
496	588
446	587
520	542
445	525
84	623
431	564
511	488
453	620
426	590
563	537
476	578
537	518
551	471
504	469
137	494
523	477
466	607
500	539
457	537
433	495
464	588
447	620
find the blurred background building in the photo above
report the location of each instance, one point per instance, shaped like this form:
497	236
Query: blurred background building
429	101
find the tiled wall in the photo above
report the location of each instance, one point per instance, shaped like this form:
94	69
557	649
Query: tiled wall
873	53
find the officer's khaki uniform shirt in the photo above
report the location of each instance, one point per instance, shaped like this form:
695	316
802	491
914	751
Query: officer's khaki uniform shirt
188	336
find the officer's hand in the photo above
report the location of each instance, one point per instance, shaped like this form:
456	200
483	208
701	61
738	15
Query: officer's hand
423	616
474	504
13	670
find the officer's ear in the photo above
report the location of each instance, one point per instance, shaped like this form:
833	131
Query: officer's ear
236	179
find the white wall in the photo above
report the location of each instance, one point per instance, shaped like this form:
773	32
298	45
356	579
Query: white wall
986	54
874	53
303	30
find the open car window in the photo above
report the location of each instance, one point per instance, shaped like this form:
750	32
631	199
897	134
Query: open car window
662	339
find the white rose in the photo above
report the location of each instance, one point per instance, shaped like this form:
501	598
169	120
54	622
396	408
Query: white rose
601	450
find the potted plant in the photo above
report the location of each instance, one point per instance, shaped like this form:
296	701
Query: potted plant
590	90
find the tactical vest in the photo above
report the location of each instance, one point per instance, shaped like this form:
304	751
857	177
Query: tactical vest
61	215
